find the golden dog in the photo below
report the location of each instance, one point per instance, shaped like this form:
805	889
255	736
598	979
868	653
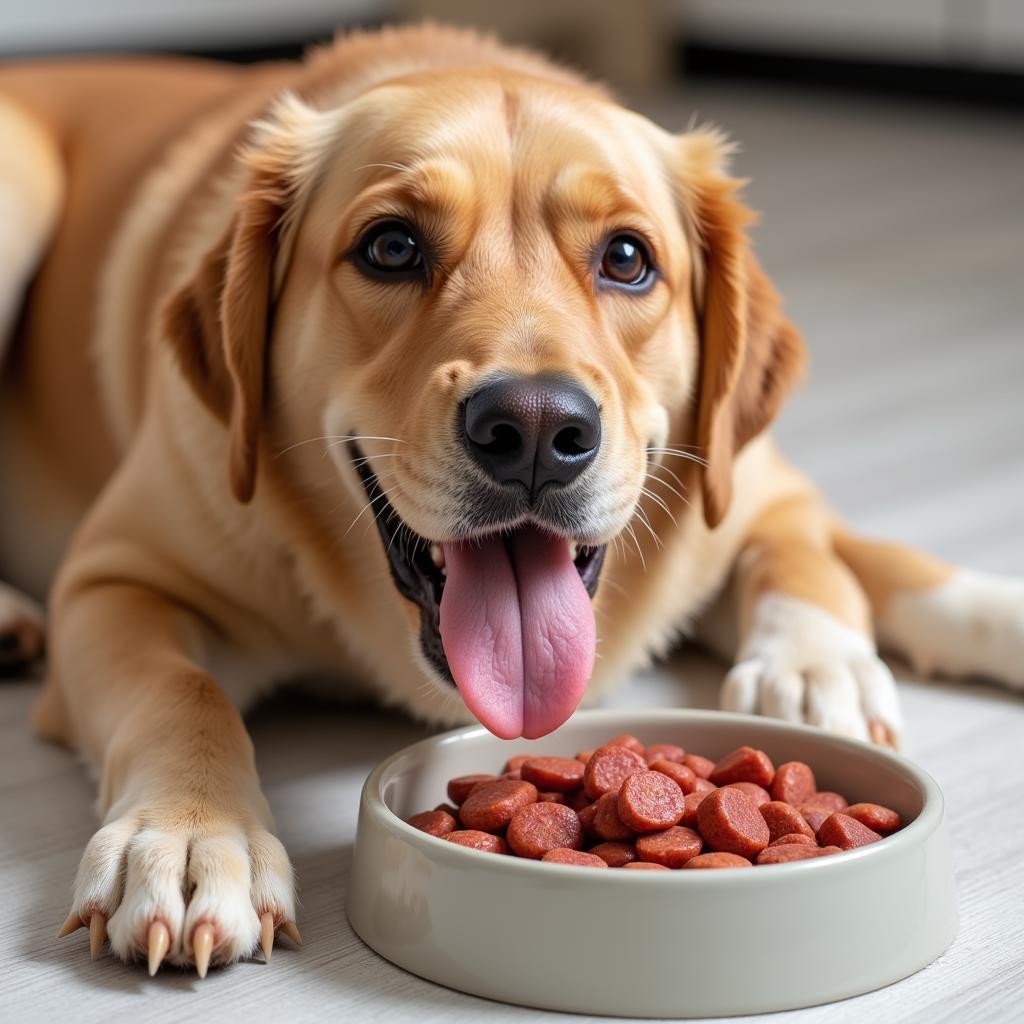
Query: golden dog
424	364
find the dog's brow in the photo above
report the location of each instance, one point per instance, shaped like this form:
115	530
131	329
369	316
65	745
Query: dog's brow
586	193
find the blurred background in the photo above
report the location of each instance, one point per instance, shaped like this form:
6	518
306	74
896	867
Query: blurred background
885	146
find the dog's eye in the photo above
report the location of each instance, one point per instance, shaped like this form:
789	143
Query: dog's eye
391	248
625	261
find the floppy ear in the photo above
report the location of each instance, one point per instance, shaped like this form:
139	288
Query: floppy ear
218	322
751	355
217	326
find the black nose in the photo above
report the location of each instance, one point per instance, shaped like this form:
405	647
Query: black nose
532	430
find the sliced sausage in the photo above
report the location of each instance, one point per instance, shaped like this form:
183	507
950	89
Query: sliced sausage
434	823
649	801
814	816
574	857
730	822
794	783
745	764
828	801
629	741
460	788
784	853
882	820
477	840
555	774
702	767
615	854
608	767
664	752
643	865
718	860
690	804
607	823
537	828
847	833
683	776
491	805
783	819
757	793
794	837
673	847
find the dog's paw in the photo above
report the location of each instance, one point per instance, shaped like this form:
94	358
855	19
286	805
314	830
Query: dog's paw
22	630
161	887
801	664
972	625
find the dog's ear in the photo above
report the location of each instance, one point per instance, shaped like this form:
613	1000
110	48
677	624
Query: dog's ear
751	355
218	322
217	325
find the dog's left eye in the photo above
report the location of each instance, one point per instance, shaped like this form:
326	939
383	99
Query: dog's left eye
390	248
625	261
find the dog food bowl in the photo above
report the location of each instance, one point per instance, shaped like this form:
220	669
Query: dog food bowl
654	944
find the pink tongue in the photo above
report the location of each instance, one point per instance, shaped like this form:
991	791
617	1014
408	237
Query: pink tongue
518	631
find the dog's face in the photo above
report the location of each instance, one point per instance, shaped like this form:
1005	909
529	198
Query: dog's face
489	296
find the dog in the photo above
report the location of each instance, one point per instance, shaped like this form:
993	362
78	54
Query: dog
421	364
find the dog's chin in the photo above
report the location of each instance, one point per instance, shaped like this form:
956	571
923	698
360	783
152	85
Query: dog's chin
417	564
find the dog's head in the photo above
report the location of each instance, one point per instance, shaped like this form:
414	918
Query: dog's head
500	299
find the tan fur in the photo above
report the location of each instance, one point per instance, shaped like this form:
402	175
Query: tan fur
227	542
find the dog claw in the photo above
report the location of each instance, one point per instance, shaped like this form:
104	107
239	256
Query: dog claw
267	935
97	933
202	947
72	924
159	941
292	932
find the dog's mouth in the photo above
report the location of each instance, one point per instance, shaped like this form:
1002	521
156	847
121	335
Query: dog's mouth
504	616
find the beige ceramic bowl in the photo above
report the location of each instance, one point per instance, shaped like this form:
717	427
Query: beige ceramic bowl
672	944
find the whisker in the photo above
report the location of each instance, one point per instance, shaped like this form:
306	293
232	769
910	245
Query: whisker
646	523
689	456
639	551
371	502
664	483
671	473
337	439
654	497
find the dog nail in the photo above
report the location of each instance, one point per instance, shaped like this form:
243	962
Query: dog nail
97	933
292	932
267	935
202	947
159	941
72	924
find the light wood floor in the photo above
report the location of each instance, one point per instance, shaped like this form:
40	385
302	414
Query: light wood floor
897	234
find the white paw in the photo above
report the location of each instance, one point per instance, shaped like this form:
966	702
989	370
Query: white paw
801	664
210	887
972	625
22	629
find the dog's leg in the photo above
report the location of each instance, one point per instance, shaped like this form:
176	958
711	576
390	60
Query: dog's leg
31	198
806	651
186	866
943	620
31	194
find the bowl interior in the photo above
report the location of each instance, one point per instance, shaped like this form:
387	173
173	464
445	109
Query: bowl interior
416	779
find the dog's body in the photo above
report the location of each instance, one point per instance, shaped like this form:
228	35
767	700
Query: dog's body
158	255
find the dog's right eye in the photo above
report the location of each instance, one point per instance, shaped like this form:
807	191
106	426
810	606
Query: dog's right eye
390	250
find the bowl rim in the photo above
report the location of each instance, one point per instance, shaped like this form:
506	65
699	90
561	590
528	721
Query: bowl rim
912	835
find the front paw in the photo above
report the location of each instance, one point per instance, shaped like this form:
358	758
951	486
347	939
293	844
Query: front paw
801	664
187	886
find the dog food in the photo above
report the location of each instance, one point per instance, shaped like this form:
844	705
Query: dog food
655	808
